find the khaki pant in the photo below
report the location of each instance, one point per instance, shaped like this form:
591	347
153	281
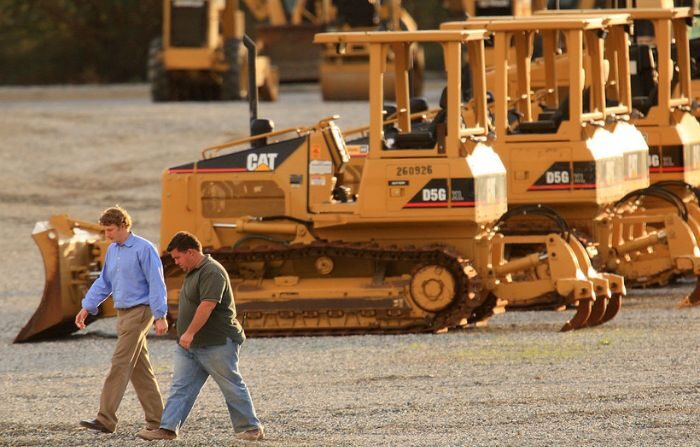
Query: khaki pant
130	362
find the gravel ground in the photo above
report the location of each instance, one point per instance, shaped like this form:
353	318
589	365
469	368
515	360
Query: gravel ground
516	382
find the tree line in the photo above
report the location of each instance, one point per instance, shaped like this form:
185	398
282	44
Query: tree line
97	41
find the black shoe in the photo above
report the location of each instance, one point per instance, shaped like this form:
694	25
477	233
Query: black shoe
94	424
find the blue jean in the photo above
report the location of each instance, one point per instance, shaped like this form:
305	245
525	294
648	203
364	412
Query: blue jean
192	369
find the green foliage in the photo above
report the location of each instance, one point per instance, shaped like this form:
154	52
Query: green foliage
106	41
76	41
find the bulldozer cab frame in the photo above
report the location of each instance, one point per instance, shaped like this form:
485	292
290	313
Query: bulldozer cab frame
669	30
575	118
588	53
379	43
191	31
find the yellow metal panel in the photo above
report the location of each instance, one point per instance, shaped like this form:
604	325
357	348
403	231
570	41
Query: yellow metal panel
188	59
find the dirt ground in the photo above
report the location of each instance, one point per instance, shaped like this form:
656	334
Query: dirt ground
77	150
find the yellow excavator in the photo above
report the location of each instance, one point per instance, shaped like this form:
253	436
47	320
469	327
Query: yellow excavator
408	246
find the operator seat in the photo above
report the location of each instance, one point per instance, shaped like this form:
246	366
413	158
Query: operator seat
356	13
424	137
645	89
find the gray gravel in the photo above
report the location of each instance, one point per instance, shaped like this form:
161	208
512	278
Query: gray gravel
516	382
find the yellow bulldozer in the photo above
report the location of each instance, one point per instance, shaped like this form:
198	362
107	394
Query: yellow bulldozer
648	235
662	103
408	246
563	171
200	55
285	30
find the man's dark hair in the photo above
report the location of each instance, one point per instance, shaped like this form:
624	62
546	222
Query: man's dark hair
183	241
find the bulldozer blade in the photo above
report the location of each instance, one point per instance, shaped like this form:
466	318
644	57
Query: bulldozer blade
583	312
613	308
600	305
291	49
692	299
69	267
345	83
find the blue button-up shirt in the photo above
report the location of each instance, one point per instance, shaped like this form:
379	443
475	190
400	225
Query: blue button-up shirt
133	274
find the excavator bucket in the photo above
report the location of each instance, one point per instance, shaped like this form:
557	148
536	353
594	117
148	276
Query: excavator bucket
72	252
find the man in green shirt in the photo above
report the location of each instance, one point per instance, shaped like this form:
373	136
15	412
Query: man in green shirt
209	339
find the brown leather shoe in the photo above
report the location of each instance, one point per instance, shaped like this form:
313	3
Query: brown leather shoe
94	424
254	434
157	435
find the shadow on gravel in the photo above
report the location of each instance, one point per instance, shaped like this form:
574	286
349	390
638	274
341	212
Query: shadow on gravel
95	335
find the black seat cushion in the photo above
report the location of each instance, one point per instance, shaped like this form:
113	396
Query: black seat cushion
545	126
414	140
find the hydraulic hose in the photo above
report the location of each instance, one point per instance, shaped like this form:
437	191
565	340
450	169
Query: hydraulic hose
538	210
658	192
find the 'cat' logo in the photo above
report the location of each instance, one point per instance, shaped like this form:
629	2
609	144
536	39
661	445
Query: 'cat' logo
261	162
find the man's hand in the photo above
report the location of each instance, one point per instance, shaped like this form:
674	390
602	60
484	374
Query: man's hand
201	316
161	326
80	318
186	340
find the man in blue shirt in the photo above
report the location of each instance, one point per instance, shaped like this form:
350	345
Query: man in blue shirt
133	275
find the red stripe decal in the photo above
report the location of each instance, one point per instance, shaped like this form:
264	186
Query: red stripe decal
464	204
549	187
208	170
426	205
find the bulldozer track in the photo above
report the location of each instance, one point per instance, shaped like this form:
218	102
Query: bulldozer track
469	305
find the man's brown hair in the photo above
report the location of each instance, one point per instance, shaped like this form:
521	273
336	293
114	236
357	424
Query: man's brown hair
183	241
115	215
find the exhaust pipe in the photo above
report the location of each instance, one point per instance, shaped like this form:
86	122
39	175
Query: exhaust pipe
257	126
252	84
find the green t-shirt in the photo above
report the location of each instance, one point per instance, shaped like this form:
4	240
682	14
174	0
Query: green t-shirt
209	281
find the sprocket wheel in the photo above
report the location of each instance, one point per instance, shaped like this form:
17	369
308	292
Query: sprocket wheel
432	288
